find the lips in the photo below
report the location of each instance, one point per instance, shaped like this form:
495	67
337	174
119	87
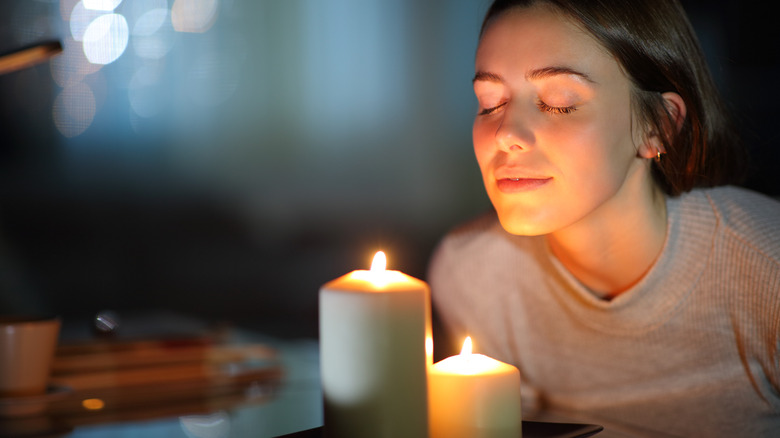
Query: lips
518	185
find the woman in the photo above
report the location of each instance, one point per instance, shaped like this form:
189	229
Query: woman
619	272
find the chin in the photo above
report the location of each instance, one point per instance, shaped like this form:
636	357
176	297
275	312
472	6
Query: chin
523	226
528	216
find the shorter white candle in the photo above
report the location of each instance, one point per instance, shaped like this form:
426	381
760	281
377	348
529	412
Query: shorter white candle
474	396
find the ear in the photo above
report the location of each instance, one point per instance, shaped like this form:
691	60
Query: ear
676	112
675	106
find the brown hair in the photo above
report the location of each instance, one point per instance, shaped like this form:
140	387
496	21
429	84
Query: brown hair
655	44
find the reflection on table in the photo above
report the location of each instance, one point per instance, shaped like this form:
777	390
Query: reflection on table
213	383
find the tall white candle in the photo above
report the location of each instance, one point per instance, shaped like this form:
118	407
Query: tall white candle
474	396
374	329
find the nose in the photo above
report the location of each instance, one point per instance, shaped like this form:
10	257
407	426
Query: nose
513	133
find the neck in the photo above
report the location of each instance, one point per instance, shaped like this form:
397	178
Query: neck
616	245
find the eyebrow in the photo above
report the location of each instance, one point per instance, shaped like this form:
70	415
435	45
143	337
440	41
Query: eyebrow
535	74
545	72
487	76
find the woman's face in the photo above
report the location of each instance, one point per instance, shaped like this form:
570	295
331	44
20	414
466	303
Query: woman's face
553	135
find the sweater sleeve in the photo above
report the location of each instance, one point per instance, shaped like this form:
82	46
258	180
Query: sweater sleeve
750	249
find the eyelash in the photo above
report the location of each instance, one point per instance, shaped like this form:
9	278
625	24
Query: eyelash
555	109
491	110
542	107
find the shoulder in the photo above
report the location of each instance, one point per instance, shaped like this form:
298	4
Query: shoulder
481	243
748	244
480	254
473	249
744	215
740	204
465	243
481	231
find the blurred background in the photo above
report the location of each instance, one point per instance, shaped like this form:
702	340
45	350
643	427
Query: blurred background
225	158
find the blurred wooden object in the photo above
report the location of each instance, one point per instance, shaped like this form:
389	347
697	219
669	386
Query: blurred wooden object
28	56
131	380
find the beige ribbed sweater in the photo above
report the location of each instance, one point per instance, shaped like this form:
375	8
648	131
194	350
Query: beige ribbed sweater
692	350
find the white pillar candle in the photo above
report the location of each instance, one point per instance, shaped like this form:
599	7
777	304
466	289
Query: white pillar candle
474	396
374	327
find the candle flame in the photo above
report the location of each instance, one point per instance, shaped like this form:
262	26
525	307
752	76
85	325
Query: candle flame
466	346
379	263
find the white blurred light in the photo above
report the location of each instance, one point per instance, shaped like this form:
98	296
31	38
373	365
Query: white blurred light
193	15
74	109
106	39
80	19
101	5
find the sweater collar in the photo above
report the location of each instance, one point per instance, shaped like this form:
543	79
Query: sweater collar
655	298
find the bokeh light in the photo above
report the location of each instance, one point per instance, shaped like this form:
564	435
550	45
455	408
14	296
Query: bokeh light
193	15
150	22
74	109
152	34
106	39
101	5
80	19
100	33
93	404
71	66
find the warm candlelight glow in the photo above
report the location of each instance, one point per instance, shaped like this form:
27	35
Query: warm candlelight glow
468	362
466	346
379	263
379	277
472	395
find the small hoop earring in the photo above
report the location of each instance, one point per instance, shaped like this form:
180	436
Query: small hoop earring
658	155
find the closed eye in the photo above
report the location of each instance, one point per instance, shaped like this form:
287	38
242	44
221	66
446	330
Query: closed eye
491	110
555	109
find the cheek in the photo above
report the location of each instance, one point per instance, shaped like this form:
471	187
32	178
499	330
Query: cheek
483	144
593	152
